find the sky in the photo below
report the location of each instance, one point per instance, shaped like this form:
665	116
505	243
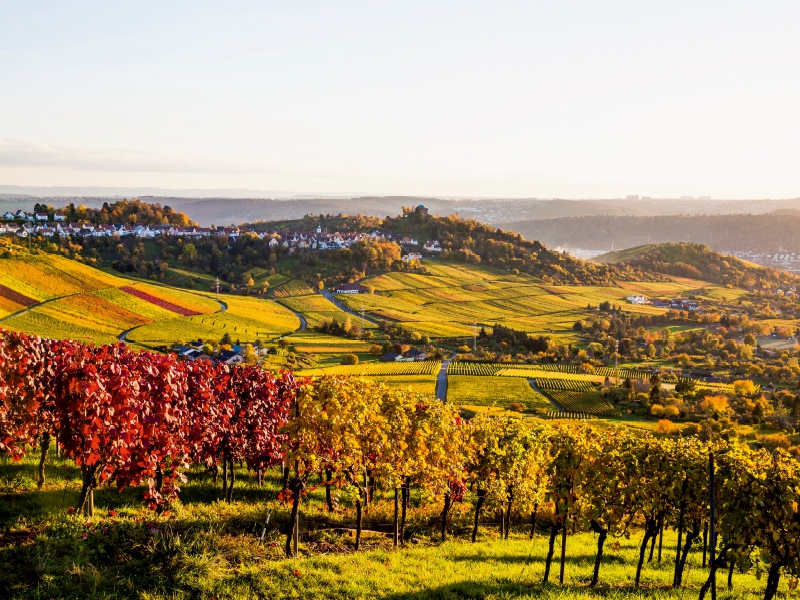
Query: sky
567	99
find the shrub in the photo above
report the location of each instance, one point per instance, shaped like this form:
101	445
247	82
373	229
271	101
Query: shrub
671	412
350	359
376	350
516	407
666	427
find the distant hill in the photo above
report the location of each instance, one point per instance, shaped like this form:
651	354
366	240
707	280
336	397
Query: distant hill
697	261
766	233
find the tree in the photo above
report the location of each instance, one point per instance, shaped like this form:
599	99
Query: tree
350	359
566	472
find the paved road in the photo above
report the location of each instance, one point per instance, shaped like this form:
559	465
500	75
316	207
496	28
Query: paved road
332	297
123	337
441	380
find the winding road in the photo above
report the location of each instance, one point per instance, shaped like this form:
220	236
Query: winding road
123	337
336	302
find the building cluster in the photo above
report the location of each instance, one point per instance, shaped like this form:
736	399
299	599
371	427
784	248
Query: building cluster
194	351
411	355
24	224
676	303
788	261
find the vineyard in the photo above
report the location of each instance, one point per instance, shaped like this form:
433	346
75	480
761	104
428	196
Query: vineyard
160	302
246	319
378	369
318	343
316	307
142	422
576	397
69	300
449	300
548	370
293	287
469	391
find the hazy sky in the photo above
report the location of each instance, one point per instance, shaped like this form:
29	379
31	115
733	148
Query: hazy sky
515	99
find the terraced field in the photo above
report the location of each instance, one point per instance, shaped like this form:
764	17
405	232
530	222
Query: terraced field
452	298
51	295
315	308
245	319
469	391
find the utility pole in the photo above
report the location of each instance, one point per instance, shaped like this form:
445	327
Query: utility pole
616	360
216	285
474	337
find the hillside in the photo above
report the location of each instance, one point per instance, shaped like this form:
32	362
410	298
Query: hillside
53	296
699	262
462	240
758	233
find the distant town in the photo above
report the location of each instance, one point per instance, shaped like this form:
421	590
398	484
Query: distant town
24	224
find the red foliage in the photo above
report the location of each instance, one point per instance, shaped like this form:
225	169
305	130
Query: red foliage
29	366
138	417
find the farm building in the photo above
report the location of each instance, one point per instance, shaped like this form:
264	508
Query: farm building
351	288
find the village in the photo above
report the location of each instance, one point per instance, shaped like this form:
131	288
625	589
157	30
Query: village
24	224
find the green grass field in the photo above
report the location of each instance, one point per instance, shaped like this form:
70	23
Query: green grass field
207	549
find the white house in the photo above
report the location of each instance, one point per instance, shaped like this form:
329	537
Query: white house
351	288
637	299
432	246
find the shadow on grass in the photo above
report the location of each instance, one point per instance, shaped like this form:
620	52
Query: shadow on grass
509	587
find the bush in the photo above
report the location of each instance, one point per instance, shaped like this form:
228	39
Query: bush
376	350
516	407
350	359
666	427
671	412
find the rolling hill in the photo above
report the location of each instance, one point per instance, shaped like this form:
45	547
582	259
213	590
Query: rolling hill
758	233
56	297
699	262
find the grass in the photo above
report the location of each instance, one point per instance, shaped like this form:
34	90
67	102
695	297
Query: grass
208	549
